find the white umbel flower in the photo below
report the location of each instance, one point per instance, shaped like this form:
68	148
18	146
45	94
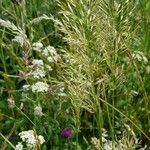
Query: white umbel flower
26	87
38	73
38	62
37	69
50	59
40	87
37	46
53	58
41	139
49	50
30	138
38	111
19	146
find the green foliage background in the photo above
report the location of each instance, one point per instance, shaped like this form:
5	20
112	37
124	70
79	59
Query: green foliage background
106	86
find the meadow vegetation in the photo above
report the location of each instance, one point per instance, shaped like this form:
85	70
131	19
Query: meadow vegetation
74	74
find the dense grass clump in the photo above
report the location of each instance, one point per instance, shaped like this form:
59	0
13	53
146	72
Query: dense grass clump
74	74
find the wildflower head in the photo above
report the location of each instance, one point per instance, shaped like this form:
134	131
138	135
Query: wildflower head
30	139
38	111
67	133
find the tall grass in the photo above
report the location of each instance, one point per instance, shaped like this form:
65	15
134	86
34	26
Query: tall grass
101	36
97	73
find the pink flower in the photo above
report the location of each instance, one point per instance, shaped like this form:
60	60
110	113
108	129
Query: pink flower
67	132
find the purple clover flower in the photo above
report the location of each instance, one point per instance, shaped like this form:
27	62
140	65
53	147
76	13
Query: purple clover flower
67	132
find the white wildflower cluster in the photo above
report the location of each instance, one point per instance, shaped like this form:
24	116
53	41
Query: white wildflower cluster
29	140
38	111
37	69
26	87
140	57
38	46
40	87
49	52
19	146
